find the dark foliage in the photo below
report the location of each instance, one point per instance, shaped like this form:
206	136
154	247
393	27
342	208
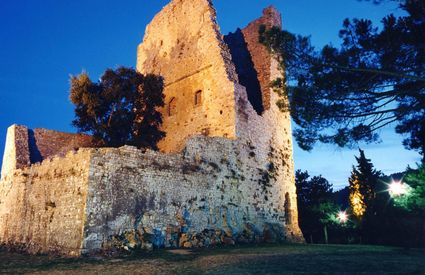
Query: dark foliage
391	224
313	190
341	198
345	95
386	220
389	221
120	109
314	204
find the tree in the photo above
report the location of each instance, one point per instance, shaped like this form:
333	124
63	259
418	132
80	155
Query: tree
414	200
363	185
345	95
314	204
368	199
314	190
356	199
120	109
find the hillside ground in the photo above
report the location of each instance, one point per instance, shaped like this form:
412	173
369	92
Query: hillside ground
262	259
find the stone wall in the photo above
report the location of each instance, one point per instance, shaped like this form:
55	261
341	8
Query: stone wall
252	59
247	74
42	206
184	45
217	191
47	143
261	58
268	132
16	151
26	146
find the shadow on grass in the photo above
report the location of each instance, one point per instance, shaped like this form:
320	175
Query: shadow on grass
237	259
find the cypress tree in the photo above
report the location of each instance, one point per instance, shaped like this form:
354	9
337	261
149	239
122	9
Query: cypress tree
364	186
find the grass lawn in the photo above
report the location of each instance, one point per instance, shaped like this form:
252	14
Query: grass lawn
263	259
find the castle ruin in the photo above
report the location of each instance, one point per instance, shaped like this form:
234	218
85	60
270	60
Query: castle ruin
224	173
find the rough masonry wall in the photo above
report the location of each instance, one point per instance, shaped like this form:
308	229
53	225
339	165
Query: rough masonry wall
217	191
270	137
261	58
26	146
183	44
42	207
47	143
16	151
270	133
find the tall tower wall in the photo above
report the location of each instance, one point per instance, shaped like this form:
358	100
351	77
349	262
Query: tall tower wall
259	122
183	44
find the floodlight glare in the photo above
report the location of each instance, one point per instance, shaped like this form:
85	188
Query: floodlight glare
397	188
342	216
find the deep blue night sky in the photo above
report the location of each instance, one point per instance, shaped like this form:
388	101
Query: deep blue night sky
43	42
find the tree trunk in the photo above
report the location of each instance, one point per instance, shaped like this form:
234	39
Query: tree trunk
112	113
325	230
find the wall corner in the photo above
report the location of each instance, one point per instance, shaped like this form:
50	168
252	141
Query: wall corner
16	153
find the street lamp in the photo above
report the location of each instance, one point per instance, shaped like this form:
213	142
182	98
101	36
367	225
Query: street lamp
342	216
397	188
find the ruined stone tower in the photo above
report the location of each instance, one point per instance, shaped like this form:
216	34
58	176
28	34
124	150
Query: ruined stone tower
184	45
217	86
204	75
224	174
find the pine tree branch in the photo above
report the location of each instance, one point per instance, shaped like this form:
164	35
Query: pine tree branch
368	114
375	71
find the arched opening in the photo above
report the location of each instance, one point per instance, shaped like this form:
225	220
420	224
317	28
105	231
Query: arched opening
287	206
172	107
198	98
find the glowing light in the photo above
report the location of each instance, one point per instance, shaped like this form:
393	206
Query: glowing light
356	201
397	188
342	216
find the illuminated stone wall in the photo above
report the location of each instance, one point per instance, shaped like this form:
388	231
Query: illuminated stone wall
16	151
106	199
184	45
269	131
216	191
42	206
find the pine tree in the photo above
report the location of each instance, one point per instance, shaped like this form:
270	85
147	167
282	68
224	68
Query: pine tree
356	199
363	186
344	94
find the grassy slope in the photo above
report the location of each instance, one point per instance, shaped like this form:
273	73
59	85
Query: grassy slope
264	259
